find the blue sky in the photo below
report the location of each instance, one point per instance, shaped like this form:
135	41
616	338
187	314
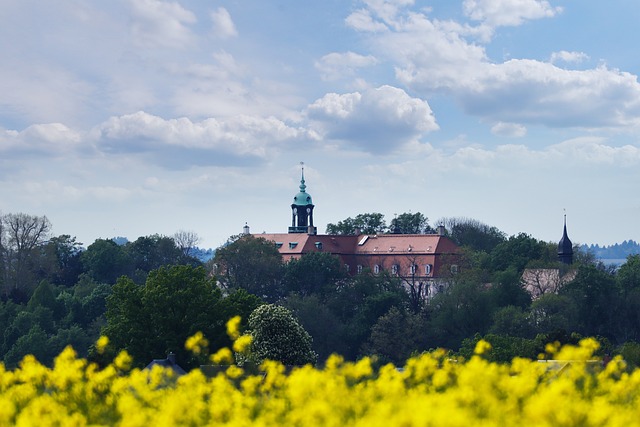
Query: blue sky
135	117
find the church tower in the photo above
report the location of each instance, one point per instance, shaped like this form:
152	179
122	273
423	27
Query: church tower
565	247
302	211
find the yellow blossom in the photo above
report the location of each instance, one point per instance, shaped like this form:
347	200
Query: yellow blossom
197	343
242	343
233	327
102	344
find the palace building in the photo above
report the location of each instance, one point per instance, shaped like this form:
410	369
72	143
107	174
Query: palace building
422	261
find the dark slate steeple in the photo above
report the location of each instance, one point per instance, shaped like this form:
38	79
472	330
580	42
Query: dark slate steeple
565	247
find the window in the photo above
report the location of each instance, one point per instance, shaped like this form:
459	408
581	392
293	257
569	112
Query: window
394	269
454	268
359	269
376	269
319	245
293	245
427	269
278	245
412	269
347	268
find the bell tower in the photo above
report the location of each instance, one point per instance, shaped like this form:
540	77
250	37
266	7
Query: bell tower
302	210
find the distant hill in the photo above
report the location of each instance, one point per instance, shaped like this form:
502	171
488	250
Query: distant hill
616	251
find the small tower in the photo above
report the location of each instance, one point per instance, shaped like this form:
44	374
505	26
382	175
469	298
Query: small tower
565	247
302	210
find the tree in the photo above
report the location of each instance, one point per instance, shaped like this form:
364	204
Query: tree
396	335
594	294
367	223
105	261
314	273
148	253
472	233
22	234
518	251
66	252
410	223
278	336
186	242
150	321
251	263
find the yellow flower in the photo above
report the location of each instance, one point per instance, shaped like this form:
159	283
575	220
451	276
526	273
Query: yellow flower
102	344
222	357
233	327
482	347
197	343
242	344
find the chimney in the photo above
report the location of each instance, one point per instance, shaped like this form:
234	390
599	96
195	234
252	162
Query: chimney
245	229
171	357
441	231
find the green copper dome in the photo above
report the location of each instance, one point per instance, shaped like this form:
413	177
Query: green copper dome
302	198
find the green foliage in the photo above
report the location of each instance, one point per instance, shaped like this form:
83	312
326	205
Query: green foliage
410	223
504	348
105	261
368	223
396	336
517	252
150	321
277	335
314	273
473	234
253	264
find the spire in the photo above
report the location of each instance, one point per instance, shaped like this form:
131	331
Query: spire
565	247
303	187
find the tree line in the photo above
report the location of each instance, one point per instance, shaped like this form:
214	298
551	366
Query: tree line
151	294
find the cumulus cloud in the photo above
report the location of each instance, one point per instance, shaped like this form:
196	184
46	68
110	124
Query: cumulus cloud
39	140
437	57
508	12
223	26
376	120
568	57
181	143
334	66
159	23
513	130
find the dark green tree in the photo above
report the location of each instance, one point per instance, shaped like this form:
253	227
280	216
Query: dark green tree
396	335
105	261
594	293
150	321
251	263
410	223
473	234
518	251
367	223
277	335
313	273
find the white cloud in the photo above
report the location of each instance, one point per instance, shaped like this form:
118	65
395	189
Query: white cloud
334	66
361	20
223	26
39	140
568	57
513	130
508	12
376	120
182	143
159	23
435	57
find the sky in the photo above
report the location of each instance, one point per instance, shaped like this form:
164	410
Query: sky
139	117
